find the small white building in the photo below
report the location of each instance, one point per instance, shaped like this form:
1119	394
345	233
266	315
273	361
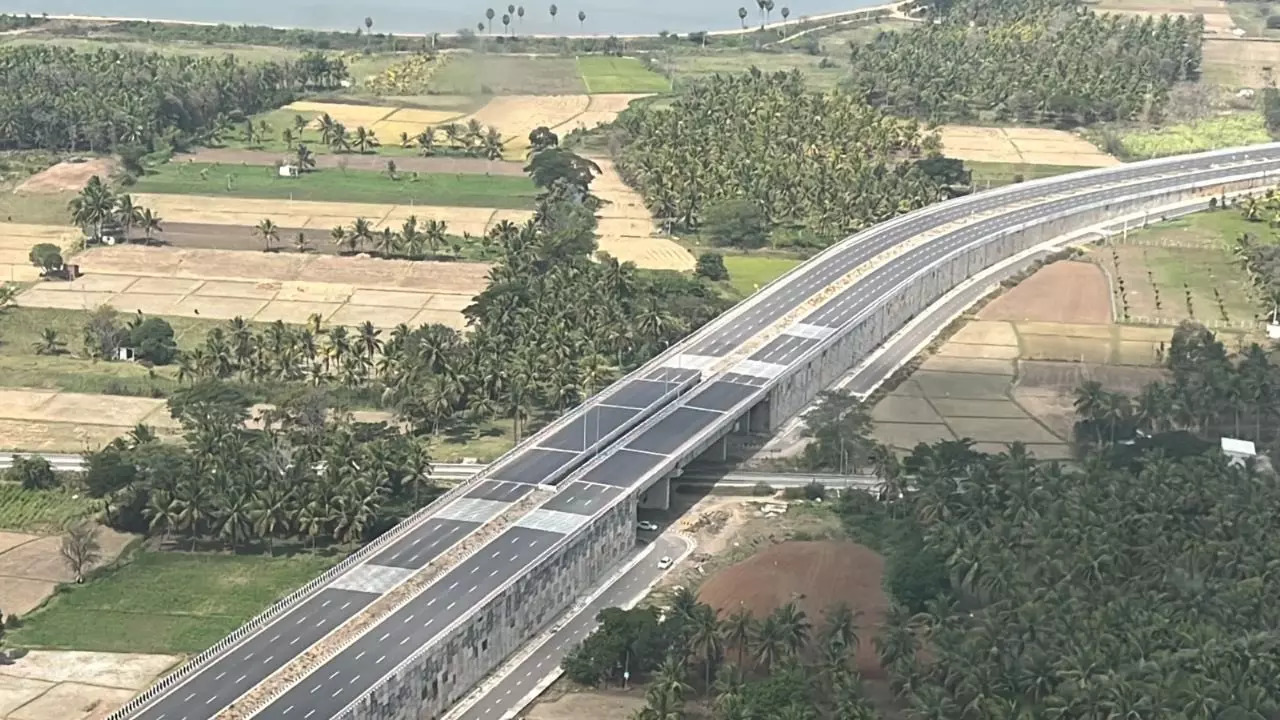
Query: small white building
289	171
1238	451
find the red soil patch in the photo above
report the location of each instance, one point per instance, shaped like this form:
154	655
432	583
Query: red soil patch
67	176
815	575
1064	292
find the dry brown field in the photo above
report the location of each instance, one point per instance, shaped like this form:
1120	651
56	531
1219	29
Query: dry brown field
1033	146
1075	292
67	176
59	685
1242	62
816	576
627	231
31	567
15	245
266	287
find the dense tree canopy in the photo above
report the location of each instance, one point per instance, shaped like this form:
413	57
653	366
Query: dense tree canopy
817	165
1094	593
61	98
1029	62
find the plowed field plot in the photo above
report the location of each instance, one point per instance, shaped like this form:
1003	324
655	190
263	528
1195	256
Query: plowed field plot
31	567
1073	292
627	231
816	575
1240	62
515	116
266	287
56	685
1033	146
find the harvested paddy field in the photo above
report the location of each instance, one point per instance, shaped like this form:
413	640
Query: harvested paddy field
1030	146
62	685
16	241
63	422
247	212
31	566
1240	62
627	231
1010	374
265	287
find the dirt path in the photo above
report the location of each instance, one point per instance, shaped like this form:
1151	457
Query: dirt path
467	166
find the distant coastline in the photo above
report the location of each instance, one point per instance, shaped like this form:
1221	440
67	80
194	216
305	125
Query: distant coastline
751	26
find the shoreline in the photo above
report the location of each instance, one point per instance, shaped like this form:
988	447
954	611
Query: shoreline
750	29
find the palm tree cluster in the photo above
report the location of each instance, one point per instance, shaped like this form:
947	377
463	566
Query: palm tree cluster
1101	592
309	474
1260	258
470	140
1036	62
780	667
824	163
60	98
1210	394
98	208
552	328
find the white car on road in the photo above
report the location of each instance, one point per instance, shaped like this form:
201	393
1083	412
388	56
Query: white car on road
646	525
664	563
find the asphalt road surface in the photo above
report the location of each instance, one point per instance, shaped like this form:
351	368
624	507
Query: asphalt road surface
563	447
509	692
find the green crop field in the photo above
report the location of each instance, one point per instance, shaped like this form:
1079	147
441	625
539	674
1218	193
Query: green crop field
1222	132
605	74
166	602
38	510
995	174
335	185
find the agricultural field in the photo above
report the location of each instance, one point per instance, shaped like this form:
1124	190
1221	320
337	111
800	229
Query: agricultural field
483	74
995	174
166	602
1240	62
53	685
31	567
626	230
1183	269
608	74
24	511
43	420
1021	146
263	287
341	186
16	241
1009	374
1208	134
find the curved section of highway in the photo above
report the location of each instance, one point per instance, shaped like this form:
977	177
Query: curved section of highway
585	463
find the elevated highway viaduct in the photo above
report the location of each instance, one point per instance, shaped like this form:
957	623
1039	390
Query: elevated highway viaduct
404	627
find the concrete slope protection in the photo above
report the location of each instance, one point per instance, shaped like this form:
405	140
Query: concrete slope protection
610	447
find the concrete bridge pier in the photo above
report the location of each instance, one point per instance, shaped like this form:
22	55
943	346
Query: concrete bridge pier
657	496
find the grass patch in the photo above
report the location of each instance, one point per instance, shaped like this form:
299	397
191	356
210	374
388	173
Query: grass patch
608	74
748	273
995	174
482	74
335	185
166	602
39	510
1210	134
21	327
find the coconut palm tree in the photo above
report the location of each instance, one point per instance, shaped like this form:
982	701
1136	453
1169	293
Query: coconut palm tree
150	224
267	230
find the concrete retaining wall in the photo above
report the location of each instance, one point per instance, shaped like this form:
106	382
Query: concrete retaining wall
426	686
795	390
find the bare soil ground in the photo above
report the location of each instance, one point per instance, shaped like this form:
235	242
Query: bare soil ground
265	287
515	116
594	704
1071	292
353	161
1242	62
67	176
627	231
32	567
52	685
601	109
1033	146
815	575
